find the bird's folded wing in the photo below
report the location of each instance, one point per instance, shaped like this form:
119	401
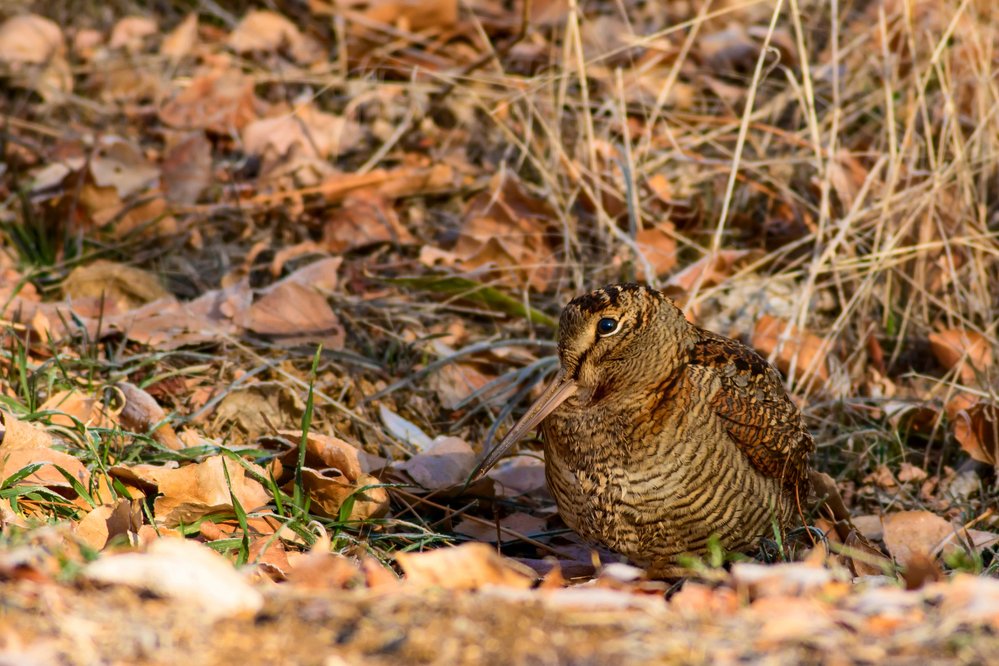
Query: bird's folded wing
756	410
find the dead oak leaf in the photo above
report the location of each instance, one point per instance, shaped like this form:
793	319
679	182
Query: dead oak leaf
365	218
119	164
187	168
262	30
194	491
976	428
219	101
446	462
23	444
125	287
969	349
470	566
307	131
794	346
183	570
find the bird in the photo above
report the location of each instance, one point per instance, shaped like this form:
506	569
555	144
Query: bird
661	438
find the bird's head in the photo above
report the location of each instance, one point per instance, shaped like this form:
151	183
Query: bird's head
621	338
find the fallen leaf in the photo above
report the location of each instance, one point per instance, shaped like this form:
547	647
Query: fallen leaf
969	599
523	524
793	346
179	42
322	571
30	38
329	489
142	414
125	287
22	444
365	218
470	566
955	346
182	570
219	102
261	30
658	247
194	491
108	521
119	164
187	169
446	462
295	314
415	15
306	129
257	408
454	382
916	534
977	430
403	430
130	32
89	410
710	272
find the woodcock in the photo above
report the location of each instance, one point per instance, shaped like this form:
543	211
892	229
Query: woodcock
659	434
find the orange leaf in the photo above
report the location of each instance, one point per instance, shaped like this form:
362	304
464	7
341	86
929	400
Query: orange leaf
795	345
953	346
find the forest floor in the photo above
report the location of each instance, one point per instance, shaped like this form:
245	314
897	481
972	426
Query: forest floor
273	276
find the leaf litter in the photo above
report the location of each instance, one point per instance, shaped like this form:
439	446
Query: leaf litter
415	188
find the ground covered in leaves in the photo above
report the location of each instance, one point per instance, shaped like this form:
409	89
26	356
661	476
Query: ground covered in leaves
273	276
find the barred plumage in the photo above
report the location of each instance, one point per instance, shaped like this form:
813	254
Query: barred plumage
659	434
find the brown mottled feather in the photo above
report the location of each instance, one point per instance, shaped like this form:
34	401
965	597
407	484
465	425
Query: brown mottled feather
758	414
671	435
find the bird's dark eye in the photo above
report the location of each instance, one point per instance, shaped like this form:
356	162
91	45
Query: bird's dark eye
606	326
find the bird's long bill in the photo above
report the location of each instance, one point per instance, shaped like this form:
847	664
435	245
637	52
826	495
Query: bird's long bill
560	389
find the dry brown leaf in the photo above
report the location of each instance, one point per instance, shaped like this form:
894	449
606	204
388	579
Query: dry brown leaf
187	168
180	41
141	413
505	235
322	571
913	534
955	346
266	31
193	491
329	488
446	462
30	38
709	272
454	382
365	218
519	476
16	434
123	287
304	131
220	102
413	15
470	566
130	33
183	570
802	348
143	476
295	314
323	451
22	444
257	408
977	430
523	524
119	164
108	521
87	409
659	249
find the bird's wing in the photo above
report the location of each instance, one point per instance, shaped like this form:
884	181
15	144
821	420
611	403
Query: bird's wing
756	410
